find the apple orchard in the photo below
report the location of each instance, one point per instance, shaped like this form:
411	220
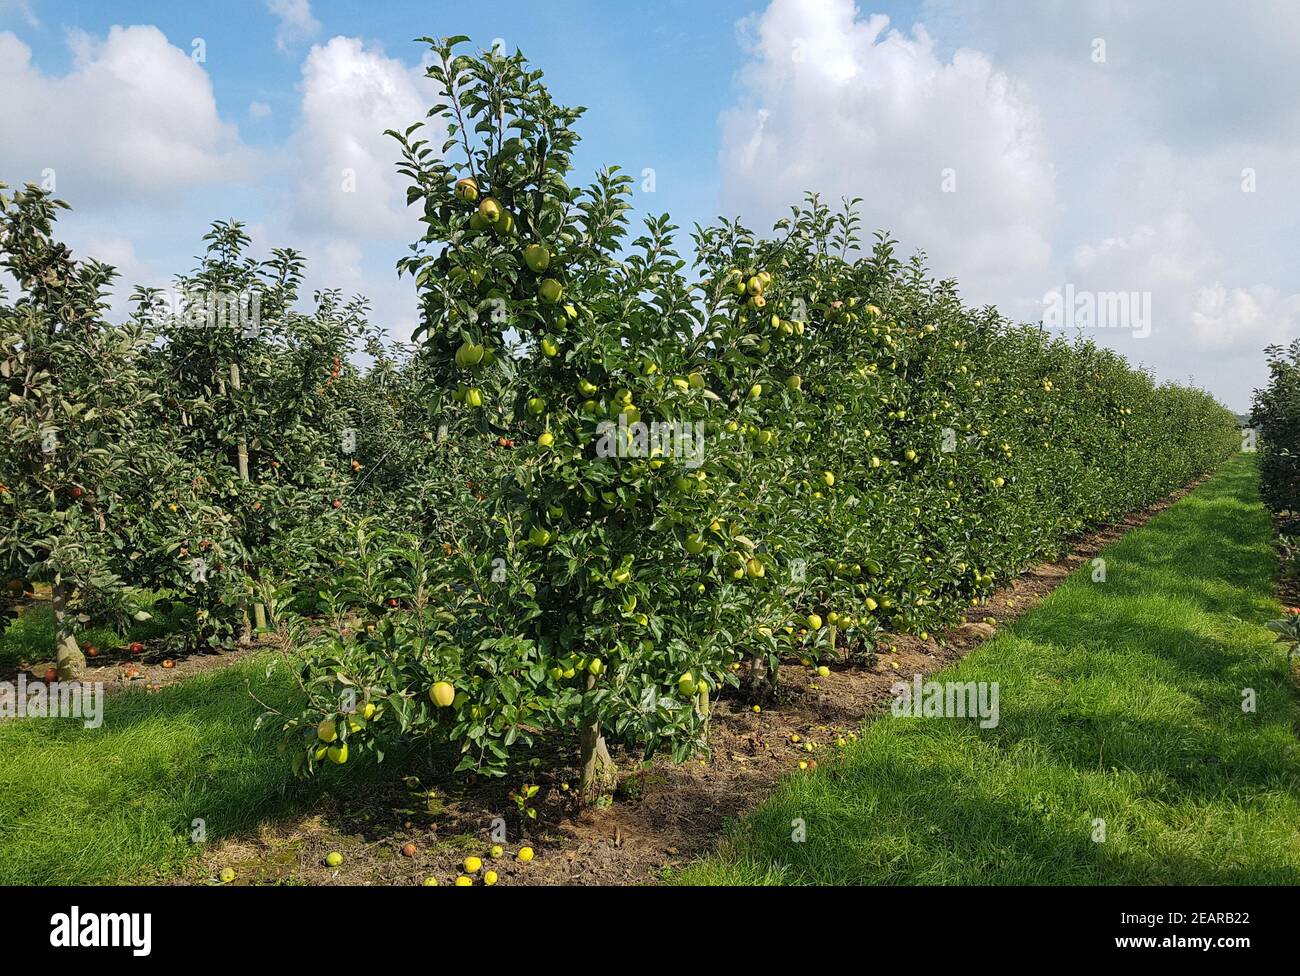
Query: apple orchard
597	489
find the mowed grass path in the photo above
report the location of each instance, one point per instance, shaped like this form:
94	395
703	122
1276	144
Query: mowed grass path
1120	702
117	803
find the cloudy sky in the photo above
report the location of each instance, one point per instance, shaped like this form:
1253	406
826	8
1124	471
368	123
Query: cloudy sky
1144	148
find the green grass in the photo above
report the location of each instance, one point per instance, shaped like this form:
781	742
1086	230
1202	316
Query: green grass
30	638
114	804
1119	701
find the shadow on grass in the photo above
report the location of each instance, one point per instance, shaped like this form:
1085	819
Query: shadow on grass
28	638
1123	754
123	801
952	825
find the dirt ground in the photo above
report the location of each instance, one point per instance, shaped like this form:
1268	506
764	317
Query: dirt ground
149	668
662	814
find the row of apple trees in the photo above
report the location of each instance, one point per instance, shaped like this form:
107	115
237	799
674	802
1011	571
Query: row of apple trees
1276	418
675	479
210	451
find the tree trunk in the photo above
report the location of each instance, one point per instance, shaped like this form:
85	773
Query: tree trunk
702	701
760	682
702	710
236	384
598	772
67	654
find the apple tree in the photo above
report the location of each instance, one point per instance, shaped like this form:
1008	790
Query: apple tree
76	413
1276	416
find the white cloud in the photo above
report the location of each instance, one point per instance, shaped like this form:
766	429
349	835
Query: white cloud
1192	75
1244	317
296	22
23	8
1122	174
347	181
132	272
133	119
353	269
847	107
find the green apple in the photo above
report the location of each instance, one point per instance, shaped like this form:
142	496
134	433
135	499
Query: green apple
550	290
443	694
537	257
467	190
469	354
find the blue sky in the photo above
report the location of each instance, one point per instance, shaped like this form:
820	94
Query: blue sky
654	77
654	81
1131	148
